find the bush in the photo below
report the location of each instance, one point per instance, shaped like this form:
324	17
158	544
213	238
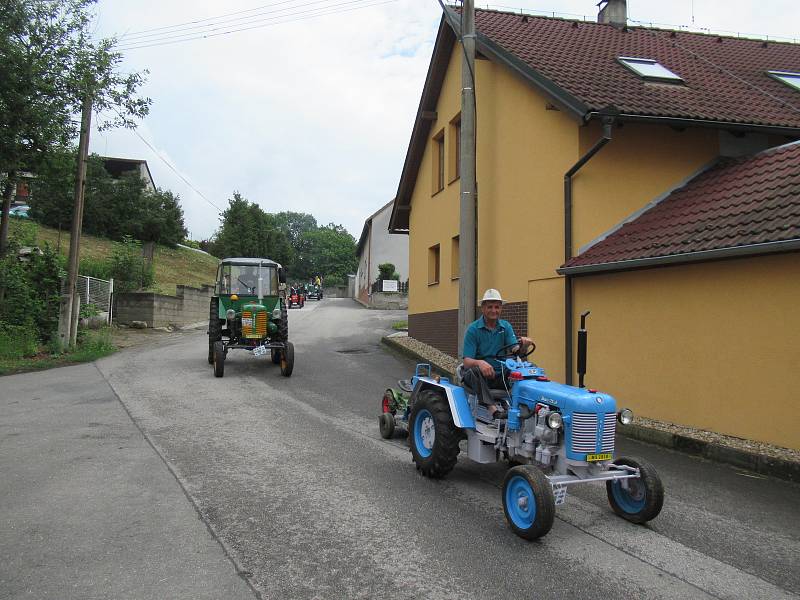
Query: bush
24	232
18	341
386	271
130	270
97	268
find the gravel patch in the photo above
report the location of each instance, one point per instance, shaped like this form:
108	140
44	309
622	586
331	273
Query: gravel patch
446	363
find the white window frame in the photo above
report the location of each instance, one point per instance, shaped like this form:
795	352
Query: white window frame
787	78
664	75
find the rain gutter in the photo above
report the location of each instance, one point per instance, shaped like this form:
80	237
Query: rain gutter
608	116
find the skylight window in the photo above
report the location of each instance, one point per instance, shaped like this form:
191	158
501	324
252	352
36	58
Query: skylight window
650	70
790	79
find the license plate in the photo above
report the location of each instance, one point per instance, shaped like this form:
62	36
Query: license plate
247	322
259	350
598	457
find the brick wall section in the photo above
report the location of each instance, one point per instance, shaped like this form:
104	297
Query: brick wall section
440	329
516	313
189	305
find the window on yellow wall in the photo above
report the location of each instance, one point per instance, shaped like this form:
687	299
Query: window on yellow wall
438	162
454	258
455	148
433	265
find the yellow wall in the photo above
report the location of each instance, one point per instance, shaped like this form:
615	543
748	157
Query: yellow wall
710	345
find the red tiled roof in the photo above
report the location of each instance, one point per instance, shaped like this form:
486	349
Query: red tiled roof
736	204
725	78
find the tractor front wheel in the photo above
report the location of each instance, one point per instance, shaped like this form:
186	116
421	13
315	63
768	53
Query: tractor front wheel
287	360
433	436
214	328
636	500
528	502
219	359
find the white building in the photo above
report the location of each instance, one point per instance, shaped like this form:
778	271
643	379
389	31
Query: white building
377	246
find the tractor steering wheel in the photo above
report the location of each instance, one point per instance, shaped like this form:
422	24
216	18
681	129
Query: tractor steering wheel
508	351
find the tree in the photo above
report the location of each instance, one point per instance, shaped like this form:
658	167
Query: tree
247	231
113	208
49	65
332	253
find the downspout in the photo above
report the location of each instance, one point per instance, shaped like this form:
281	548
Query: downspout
608	121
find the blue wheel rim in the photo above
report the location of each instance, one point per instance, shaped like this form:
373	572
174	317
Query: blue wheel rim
424	433
631	500
520	502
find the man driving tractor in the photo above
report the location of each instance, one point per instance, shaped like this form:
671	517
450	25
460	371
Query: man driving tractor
482	340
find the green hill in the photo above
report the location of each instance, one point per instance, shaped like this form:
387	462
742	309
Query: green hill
178	266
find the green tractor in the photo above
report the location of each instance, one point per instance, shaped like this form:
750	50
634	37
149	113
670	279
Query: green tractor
248	311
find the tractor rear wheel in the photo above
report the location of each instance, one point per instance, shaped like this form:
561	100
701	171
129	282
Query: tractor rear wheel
433	437
643	498
287	360
528	502
214	328
219	359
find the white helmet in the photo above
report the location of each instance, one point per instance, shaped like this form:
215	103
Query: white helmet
491	294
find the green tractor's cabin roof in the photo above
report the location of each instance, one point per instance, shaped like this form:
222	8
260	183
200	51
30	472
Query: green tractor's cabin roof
264	262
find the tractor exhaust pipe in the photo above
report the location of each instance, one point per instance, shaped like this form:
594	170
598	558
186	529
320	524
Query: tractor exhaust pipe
582	349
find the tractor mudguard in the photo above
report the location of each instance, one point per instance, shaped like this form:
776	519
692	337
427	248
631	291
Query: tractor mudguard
456	398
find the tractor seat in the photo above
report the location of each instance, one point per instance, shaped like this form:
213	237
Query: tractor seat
499	394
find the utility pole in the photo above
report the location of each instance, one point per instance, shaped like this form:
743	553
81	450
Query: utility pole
70	302
467	256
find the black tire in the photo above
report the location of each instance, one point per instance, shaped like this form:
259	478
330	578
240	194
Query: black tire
386	425
287	360
528	502
435	455
214	328
275	356
219	359
643	499
283	326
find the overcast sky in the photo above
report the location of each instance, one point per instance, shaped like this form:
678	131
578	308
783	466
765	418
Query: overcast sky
313	113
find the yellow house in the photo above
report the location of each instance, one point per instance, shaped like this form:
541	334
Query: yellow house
646	175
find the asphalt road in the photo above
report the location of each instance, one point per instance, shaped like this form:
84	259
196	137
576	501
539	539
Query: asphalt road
294	481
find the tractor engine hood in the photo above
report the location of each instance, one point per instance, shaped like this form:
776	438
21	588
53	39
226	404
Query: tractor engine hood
567	398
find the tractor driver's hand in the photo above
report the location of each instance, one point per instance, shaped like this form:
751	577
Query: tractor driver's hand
487	370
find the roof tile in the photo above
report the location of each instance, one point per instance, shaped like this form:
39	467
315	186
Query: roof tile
737	202
725	78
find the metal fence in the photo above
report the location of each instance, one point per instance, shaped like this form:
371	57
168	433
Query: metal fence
97	292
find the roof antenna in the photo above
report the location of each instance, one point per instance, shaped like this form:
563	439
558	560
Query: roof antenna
692	12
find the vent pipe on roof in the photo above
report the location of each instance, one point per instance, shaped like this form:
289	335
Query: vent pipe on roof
613	12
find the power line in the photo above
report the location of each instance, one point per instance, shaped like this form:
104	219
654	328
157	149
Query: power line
238	12
172	168
307	14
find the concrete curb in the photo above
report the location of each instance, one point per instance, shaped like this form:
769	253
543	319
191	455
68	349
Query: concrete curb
758	463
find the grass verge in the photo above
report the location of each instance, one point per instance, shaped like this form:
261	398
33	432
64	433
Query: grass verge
93	344
400	325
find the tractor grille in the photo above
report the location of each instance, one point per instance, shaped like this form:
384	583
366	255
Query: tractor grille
584	432
609	429
254	327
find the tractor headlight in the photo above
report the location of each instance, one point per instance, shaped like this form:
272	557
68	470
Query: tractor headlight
276	314
230	314
625	416
554	420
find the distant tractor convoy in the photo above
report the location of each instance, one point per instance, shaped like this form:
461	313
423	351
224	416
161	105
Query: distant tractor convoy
248	311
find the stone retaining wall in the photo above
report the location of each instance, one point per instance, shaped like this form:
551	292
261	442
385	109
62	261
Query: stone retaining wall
189	305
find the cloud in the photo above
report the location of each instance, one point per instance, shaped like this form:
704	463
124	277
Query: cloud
313	115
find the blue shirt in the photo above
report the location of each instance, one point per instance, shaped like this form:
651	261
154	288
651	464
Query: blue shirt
482	343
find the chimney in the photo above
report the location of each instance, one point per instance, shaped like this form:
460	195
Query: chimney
614	12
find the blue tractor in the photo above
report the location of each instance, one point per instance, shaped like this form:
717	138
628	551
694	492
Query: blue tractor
556	435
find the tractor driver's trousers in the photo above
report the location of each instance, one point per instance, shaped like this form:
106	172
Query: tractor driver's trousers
475	383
